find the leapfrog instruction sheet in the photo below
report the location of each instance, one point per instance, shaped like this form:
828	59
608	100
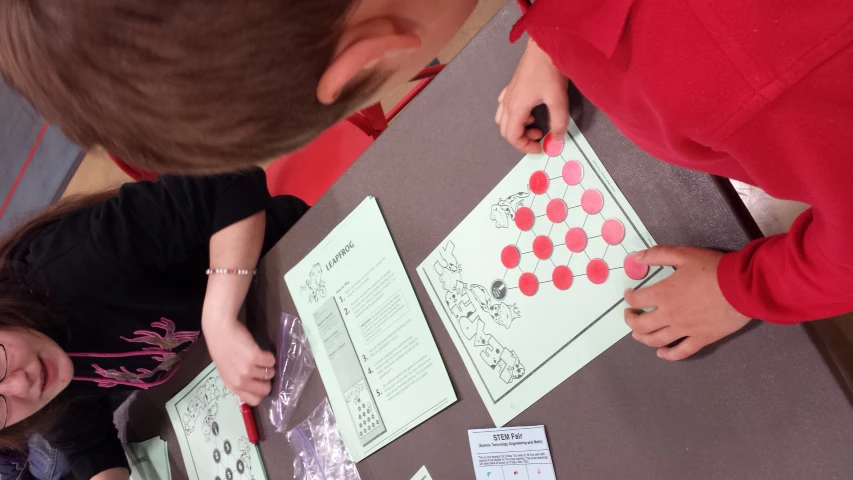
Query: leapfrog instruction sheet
373	347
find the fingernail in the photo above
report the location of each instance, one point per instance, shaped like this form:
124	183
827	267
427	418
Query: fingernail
659	354
640	254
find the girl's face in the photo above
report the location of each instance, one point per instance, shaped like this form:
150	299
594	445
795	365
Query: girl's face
36	370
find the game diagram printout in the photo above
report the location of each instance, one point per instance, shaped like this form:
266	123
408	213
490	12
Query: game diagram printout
210	430
530	285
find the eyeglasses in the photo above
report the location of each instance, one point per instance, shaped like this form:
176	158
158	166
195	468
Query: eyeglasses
4	366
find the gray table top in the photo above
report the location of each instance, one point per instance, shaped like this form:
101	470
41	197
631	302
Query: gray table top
760	405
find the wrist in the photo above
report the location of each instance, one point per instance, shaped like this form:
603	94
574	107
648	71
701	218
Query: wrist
728	275
215	320
534	50
532	46
539	56
232	271
224	297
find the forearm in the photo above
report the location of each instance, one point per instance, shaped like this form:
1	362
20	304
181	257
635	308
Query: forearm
806	274
245	368
237	246
119	473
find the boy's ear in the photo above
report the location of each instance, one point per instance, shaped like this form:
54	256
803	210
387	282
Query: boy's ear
360	55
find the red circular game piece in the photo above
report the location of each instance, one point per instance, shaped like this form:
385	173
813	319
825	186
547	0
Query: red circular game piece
573	172
613	232
552	145
510	256
524	218
543	247
562	277
592	201
634	269
528	284
539	182
597	271
557	210
576	240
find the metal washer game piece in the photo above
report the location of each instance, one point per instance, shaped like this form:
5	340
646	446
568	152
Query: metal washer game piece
498	289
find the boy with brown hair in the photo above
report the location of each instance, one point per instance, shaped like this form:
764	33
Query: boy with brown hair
757	91
186	86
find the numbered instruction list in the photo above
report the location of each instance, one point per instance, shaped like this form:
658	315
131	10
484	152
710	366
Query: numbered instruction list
373	348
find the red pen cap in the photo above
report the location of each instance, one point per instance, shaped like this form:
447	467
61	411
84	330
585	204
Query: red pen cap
249	420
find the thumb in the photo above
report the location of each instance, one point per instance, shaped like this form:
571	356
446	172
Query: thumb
558	113
660	256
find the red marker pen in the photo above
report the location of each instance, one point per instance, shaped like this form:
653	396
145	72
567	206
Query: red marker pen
249	421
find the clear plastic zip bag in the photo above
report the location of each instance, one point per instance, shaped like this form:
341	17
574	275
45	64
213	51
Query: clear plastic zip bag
294	367
319	451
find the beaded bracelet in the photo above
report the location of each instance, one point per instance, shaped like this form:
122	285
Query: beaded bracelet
230	271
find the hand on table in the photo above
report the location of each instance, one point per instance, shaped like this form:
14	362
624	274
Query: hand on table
536	81
688	304
240	361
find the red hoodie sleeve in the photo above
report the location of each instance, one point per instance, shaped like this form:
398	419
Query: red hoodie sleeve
800	147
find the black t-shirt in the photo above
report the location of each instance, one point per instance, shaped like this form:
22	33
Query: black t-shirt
130	272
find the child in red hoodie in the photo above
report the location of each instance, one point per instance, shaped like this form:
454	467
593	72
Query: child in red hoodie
757	91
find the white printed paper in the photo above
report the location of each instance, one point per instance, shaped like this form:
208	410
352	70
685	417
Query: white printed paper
148	460
422	474
515	453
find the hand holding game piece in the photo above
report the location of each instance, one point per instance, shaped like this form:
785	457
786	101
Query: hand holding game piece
245	369
688	304
536	81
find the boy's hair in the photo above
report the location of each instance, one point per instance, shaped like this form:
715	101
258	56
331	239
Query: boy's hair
179	86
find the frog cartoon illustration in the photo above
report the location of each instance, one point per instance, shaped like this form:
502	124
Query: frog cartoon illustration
448	268
503	212
500	312
315	285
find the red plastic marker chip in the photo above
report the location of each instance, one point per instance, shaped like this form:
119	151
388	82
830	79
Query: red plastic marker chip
539	182
592	201
635	270
613	232
557	210
597	271
528	284
572	172
562	277
524	218
576	240
510	256
543	247
552	145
